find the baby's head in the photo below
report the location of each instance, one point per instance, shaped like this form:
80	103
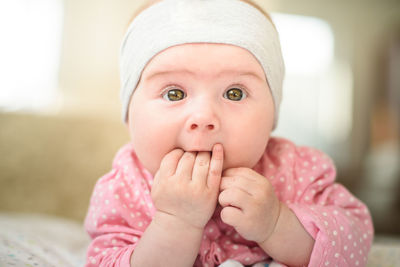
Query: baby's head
199	72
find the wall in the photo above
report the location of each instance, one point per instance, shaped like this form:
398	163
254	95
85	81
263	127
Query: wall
49	164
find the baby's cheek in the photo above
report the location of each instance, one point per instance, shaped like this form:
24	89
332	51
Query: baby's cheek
153	167
153	162
247	155
145	153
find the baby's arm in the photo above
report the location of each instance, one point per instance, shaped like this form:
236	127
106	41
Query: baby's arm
184	193
289	243
320	222
120	219
167	241
339	223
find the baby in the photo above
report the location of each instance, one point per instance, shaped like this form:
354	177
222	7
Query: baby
202	183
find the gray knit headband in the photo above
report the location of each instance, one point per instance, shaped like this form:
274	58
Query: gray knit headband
174	22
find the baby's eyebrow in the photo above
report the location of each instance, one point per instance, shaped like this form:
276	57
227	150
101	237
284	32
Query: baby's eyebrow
157	73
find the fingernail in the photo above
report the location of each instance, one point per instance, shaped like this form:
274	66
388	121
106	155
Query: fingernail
218	147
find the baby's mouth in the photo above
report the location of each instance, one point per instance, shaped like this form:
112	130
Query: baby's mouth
198	146
198	151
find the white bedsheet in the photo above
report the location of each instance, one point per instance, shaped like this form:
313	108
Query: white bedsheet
40	240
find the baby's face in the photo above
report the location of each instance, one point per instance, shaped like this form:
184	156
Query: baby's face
193	96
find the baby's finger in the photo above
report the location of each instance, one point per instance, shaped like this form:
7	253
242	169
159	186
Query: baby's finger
242	172
185	165
231	216
200	168
233	197
237	182
169	163
216	165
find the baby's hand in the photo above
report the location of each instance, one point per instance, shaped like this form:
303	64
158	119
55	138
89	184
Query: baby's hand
186	186
249	203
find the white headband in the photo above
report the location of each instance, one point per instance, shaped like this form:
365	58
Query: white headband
173	22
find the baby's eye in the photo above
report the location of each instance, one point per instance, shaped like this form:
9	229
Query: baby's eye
235	94
174	95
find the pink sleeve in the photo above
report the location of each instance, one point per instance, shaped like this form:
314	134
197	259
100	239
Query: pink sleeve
117	217
340	224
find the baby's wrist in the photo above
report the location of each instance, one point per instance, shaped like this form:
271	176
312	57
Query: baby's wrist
290	231
277	226
170	222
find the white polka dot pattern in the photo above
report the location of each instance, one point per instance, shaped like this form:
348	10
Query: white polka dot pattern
121	209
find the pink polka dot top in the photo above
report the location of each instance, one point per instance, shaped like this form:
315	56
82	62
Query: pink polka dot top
121	208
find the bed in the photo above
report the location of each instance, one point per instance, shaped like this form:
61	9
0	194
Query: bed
43	240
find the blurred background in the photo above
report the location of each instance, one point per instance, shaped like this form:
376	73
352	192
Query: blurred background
60	123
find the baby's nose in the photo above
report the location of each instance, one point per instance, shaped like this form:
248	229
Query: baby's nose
204	121
199	126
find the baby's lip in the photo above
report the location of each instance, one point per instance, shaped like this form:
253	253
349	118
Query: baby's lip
198	146
197	150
